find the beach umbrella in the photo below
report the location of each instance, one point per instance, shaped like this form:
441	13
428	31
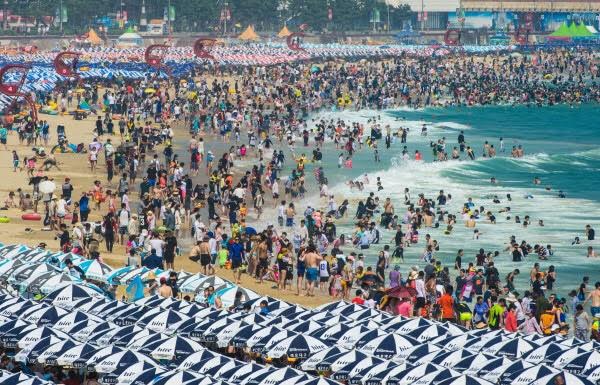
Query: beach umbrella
322	356
191	309
92	328
592	374
331	306
375	374
107	308
416	352
68	321
11	301
33	336
351	308
269	341
332	333
437	377
143	378
118	361
461	380
135	341
17	309
514	348
429	332
446	358
7	251
275	321
527	375
388	346
228	295
21	379
109	337
407	325
11	337
240	338
171	349
352	369
500	367
298	346
127	277
224	336
54	281
236	375
472	364
352	336
95	270
211	366
541	353
561	378
201	283
324	317
364	314
290	312
254	303
411	374
65	296
165	321
130	315
363	339
48	356
559	359
251	318
483	342
580	363
30	270
319	381
194	358
227	326
590	345
341	360
544	340
86	305
572	342
31	351
305	327
114	277
46	187
270	376
134	372
44	316
162	302
175	377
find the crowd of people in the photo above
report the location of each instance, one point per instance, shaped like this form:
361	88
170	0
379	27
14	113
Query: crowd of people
160	200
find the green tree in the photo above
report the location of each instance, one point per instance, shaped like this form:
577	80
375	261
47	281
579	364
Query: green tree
311	12
263	14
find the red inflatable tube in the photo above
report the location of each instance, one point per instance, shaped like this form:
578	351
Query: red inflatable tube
31	217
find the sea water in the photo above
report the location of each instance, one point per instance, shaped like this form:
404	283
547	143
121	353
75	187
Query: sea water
562	148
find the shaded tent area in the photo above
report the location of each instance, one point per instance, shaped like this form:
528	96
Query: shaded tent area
249	34
573	31
285	32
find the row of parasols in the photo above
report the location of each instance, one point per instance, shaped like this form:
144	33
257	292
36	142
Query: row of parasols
169	341
38	271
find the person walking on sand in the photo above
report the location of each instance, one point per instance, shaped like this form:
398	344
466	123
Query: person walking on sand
311	260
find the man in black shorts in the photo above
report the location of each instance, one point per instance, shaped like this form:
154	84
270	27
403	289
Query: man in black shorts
204	250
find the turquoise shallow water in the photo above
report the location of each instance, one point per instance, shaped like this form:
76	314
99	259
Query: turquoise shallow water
562	147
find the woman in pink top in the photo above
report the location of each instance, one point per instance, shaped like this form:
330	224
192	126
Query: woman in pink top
404	308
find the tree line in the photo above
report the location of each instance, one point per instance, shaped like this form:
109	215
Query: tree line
205	15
